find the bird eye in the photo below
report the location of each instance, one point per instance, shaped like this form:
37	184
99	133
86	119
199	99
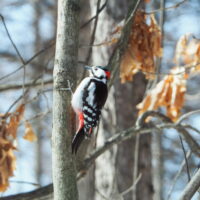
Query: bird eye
95	69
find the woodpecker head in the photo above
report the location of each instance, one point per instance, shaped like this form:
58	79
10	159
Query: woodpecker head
99	72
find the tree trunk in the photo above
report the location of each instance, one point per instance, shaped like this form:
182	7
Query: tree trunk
64	176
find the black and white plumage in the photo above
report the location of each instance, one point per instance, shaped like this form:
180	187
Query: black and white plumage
87	101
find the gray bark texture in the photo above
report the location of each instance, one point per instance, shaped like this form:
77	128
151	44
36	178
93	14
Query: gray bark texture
64	175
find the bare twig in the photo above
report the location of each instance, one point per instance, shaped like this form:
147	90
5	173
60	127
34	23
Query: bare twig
44	193
38	115
185	157
14	103
141	119
96	16
27	84
124	135
93	35
192	128
28	61
191	187
132	131
114	61
168	8
11	40
133	187
186	115
20	97
25	182
189	153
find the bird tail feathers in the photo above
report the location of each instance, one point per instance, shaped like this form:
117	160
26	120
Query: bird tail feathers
77	140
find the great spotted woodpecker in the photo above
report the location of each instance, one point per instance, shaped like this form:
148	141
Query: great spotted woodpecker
87	101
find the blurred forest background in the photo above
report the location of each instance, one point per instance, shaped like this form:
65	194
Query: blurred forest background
155	161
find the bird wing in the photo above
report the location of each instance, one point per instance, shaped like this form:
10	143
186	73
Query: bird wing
94	98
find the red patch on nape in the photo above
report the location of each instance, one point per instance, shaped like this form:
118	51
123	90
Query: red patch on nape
108	74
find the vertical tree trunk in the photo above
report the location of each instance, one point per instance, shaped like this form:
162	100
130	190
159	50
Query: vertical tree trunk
64	176
156	151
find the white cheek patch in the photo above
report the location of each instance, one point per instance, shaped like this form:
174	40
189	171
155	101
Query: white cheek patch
99	73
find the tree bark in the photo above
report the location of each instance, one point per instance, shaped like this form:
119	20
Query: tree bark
64	175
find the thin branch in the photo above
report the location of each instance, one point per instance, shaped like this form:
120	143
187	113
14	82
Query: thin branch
191	187
141	119
132	131
192	128
133	187
92	36
27	84
102	195
189	153
14	103
44	193
186	115
168	8
25	182
22	96
122	136
114	61
185	157
11	40
96	16
130	17
39	115
28	61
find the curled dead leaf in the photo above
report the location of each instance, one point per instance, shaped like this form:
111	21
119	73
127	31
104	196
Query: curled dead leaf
168	93
29	133
143	46
8	132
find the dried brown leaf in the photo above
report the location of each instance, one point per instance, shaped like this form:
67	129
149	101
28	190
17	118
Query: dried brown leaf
29	133
143	46
8	131
168	93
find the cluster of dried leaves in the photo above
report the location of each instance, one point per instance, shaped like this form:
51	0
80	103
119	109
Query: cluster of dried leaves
170	91
143	46
9	124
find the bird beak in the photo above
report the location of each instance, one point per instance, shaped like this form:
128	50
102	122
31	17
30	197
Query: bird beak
87	67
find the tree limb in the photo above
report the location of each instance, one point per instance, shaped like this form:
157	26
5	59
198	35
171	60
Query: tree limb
44	193
191	187
28	84
126	134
